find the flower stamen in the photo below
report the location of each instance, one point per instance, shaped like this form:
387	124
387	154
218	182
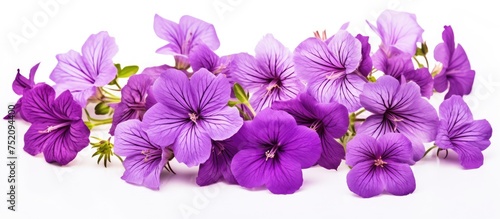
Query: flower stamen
379	162
55	127
193	117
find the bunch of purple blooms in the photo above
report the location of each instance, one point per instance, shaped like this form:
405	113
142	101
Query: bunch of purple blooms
258	120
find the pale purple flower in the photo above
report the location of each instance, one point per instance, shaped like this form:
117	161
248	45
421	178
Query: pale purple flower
398	30
329	120
269	76
330	69
20	85
459	132
182	37
456	73
398	107
57	128
273	152
83	73
190	113
218	166
380	165
134	99
144	160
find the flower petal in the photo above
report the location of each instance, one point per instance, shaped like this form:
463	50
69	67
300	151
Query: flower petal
62	145
376	97
172	90
366	64
360	149
332	152
314	61
247	73
376	126
222	124
218	165
203	57
71	72
193	145
346	51
250	168
399	30
455	112
121	114
398	178
209	93
162	124
300	144
470	157
131	139
37	104
169	31
347	90
423	79
98	52
396	148
364	179
199	32
395	65
274	58
66	108
284	177
141	172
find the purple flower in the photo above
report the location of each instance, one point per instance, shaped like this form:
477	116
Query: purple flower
20	85
57	127
269	76
185	35
400	66
456	72
459	132
273	150
398	107
396	65
134	99
190	113
329	120
218	166
380	165
366	64
144	159
203	57
398	30
330	69
82	74
423	78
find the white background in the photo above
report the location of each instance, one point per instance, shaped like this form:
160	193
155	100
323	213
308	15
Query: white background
85	190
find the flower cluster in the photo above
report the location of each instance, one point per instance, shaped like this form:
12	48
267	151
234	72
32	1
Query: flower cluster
258	119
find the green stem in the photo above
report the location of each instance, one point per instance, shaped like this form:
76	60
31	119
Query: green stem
109	93
251	109
429	150
360	111
118	86
103	121
416	60
426	61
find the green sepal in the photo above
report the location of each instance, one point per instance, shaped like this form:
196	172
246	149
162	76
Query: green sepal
240	93
127	71
102	108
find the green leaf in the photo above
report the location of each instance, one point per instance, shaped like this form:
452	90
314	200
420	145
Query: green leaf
128	71
240	93
118	67
101	108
